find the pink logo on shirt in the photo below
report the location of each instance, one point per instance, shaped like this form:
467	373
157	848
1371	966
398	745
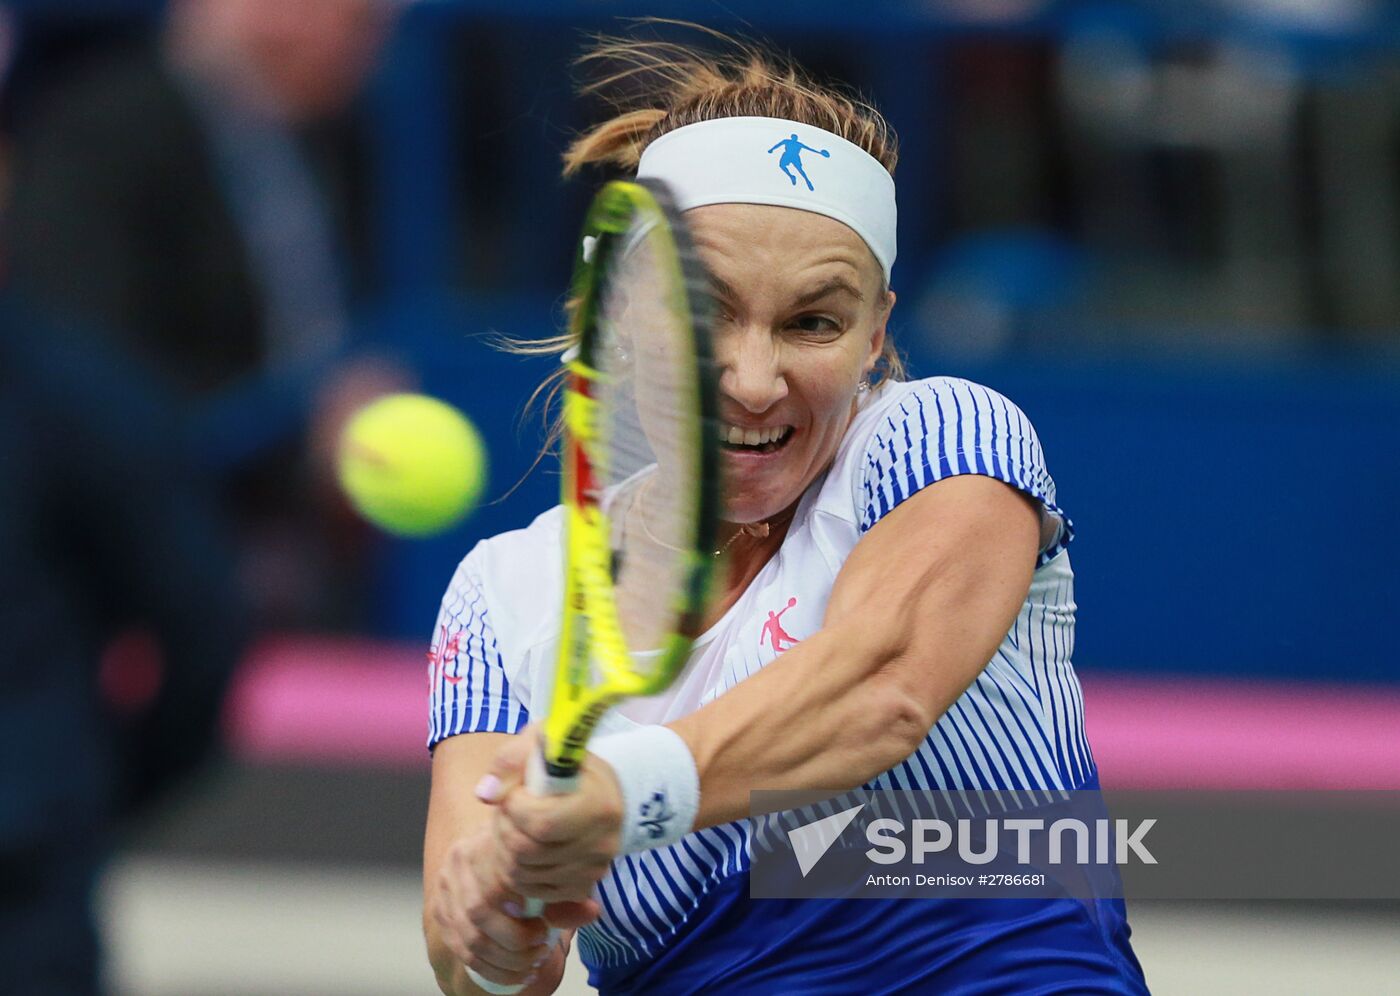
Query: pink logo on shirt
773	631
443	652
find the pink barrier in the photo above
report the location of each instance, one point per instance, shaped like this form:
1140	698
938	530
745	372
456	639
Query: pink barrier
352	702
334	701
1218	733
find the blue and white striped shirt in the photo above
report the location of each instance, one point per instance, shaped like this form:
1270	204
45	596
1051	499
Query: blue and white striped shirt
1020	725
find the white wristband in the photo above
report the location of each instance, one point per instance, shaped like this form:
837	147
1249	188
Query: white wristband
660	785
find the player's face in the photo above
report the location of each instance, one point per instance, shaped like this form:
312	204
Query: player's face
801	321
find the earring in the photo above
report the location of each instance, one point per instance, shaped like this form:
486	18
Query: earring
863	386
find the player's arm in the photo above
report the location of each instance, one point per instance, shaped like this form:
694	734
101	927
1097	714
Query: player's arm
463	895
474	711
917	610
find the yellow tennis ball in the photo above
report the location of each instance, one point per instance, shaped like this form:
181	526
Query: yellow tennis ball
411	464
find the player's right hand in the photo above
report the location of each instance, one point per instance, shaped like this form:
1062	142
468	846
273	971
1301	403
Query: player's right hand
554	847
473	910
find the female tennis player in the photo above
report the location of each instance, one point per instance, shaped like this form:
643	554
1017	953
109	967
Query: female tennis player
895	610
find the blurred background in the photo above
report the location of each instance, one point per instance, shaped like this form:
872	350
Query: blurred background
1169	230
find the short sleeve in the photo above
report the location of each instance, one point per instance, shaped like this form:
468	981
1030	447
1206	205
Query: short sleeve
468	689
943	427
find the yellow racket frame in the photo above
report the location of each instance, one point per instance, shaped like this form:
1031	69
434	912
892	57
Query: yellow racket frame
592	635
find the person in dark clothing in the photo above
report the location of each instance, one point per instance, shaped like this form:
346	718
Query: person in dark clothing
105	529
116	217
192	188
182	192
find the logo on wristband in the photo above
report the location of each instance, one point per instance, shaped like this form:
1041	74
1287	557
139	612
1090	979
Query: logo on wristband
655	813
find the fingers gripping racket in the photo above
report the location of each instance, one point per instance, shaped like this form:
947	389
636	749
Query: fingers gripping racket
641	467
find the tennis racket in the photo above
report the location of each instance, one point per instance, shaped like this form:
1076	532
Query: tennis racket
641	473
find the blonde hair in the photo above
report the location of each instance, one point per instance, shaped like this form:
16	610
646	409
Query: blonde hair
654	87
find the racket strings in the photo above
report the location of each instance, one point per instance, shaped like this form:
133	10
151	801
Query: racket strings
647	434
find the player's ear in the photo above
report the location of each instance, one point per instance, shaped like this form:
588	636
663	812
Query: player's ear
877	337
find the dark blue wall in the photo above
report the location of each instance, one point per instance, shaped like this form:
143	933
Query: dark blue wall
1229	520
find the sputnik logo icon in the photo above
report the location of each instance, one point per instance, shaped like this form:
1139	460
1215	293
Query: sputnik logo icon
809	843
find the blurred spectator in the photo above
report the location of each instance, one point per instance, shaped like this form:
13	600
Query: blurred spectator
165	189
120	626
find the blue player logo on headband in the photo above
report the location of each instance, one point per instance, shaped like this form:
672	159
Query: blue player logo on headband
792	157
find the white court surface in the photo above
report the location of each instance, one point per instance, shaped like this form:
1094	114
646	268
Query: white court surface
182	928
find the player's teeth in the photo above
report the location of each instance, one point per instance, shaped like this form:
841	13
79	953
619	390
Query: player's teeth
736	436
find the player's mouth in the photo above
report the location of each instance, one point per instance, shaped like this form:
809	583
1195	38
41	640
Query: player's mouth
734	439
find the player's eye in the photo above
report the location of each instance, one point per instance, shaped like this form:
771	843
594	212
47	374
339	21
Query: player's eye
817	325
719	298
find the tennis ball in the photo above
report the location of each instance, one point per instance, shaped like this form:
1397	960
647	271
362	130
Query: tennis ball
411	464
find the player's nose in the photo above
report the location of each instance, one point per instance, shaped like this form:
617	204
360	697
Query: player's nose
751	371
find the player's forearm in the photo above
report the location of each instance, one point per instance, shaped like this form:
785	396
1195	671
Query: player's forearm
459	762
860	695
828	714
916	614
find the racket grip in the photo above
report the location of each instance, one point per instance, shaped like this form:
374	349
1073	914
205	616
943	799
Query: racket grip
538	781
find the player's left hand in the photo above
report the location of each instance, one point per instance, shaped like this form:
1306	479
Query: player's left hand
554	848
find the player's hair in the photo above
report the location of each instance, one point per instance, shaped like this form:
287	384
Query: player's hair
654	87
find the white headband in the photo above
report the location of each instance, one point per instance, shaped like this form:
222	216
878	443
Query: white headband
774	161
